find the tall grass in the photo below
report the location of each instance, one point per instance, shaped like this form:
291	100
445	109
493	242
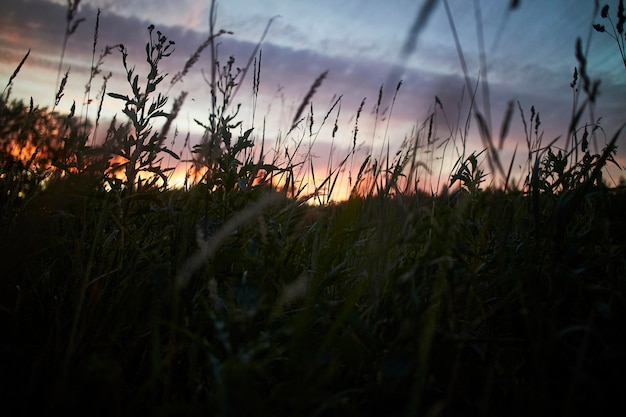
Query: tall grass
235	296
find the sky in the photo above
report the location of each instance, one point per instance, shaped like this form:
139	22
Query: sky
529	52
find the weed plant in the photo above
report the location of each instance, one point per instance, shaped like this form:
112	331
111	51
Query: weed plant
234	295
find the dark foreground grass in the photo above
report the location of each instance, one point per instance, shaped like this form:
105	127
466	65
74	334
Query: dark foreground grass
452	305
234	297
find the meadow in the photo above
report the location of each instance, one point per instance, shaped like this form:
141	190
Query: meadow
241	292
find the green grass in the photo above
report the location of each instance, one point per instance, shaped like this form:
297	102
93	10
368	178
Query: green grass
234	296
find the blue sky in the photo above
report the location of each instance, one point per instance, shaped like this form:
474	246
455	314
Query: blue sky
358	41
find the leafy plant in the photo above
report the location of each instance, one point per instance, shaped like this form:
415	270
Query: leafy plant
141	147
224	158
469	174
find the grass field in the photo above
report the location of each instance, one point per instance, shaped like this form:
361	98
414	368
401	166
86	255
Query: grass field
241	293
